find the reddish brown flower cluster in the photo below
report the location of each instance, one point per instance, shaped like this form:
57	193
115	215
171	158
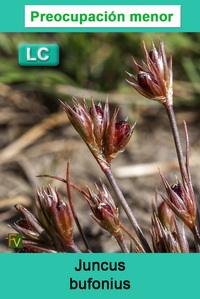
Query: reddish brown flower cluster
181	201
167	237
163	240
105	137
104	211
154	79
52	229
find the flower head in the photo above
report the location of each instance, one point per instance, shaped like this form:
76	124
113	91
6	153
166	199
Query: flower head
52	229
154	78
104	211
181	202
164	241
105	137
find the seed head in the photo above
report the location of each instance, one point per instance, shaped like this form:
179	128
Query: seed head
164	241
181	202
52	229
154	78
104	211
105	137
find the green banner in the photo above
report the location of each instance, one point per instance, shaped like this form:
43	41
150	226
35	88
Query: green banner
111	275
12	16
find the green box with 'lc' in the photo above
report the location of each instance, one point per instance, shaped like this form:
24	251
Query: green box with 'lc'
38	55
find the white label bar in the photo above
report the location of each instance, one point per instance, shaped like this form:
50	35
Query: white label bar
102	16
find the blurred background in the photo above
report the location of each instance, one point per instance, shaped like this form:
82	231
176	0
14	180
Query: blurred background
36	138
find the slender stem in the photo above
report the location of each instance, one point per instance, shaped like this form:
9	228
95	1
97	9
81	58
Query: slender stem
196	238
184	165
127	210
63	181
122	244
127	231
73	249
68	185
181	160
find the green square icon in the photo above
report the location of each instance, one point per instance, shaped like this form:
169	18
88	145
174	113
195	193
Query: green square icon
38	55
15	240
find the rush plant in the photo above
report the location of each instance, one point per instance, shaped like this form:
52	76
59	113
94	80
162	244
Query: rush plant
51	230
